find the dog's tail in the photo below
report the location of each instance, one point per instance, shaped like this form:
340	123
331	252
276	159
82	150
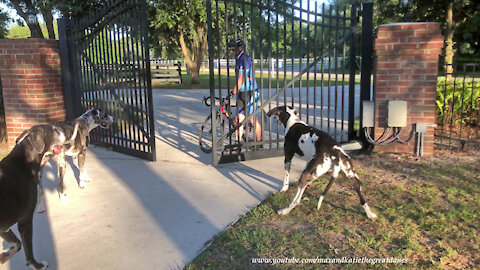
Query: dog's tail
75	131
344	158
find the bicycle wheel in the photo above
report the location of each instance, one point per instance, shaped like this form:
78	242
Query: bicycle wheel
206	133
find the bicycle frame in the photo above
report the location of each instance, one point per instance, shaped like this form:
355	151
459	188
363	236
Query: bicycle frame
226	113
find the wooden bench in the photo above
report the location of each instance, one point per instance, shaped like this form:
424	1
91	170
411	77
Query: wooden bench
166	73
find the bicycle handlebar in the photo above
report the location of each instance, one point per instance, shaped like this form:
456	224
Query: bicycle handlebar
207	101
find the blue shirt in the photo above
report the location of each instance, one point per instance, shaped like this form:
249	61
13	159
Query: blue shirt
244	66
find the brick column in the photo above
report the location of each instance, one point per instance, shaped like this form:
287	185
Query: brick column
407	66
31	79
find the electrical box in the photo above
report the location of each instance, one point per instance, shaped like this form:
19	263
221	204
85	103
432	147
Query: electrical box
368	116
421	127
397	113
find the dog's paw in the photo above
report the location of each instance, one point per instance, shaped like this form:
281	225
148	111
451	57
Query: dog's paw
4	257
369	212
81	184
63	197
283	211
284	188
84	177
37	265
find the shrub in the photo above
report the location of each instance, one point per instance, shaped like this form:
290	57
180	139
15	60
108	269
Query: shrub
458	100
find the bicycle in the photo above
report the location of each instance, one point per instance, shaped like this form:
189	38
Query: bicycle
223	116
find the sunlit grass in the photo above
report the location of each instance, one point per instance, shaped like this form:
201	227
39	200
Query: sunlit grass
427	213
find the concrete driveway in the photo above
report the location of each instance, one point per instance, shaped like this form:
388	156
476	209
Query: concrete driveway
149	215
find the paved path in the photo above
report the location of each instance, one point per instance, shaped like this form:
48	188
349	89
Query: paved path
149	215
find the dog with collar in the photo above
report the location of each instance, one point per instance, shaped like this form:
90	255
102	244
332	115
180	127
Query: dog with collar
323	153
78	130
19	175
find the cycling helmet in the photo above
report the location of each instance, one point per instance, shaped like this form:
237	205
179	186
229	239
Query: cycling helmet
235	42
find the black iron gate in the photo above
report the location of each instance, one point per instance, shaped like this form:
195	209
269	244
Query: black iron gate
313	57
106	64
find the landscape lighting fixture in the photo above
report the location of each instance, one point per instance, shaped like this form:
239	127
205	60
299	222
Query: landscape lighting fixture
405	5
32	16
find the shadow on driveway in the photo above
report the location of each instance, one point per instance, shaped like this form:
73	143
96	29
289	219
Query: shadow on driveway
149	215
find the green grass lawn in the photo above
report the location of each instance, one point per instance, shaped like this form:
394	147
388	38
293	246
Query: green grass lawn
205	81
428	213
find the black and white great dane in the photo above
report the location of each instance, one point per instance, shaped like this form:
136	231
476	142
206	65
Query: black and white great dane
321	151
78	130
19	176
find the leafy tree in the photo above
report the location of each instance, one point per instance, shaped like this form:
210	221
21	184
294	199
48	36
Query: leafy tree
181	24
459	19
74	8
47	8
4	19
22	6
454	15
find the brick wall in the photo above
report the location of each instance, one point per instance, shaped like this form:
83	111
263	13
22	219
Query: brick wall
31	80
406	69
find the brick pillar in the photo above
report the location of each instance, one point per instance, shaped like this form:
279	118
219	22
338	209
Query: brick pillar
31	79
407	66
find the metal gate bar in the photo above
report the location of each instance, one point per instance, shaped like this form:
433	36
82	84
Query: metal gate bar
329	98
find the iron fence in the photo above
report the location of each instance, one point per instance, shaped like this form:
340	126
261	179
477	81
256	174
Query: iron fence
458	107
309	41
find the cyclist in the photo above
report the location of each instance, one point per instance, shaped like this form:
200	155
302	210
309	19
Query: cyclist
246	87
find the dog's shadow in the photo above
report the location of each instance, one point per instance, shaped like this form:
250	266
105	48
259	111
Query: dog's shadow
43	240
51	177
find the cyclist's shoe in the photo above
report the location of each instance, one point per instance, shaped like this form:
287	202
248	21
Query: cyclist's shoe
255	147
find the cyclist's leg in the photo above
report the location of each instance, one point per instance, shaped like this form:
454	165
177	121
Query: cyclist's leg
241	129
239	118
252	105
258	128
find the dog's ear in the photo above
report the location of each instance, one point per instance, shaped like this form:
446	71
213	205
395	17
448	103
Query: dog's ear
292	110
21	137
101	107
96	115
37	139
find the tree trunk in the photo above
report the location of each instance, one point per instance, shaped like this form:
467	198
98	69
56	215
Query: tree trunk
195	76
194	56
449	53
47	16
35	30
